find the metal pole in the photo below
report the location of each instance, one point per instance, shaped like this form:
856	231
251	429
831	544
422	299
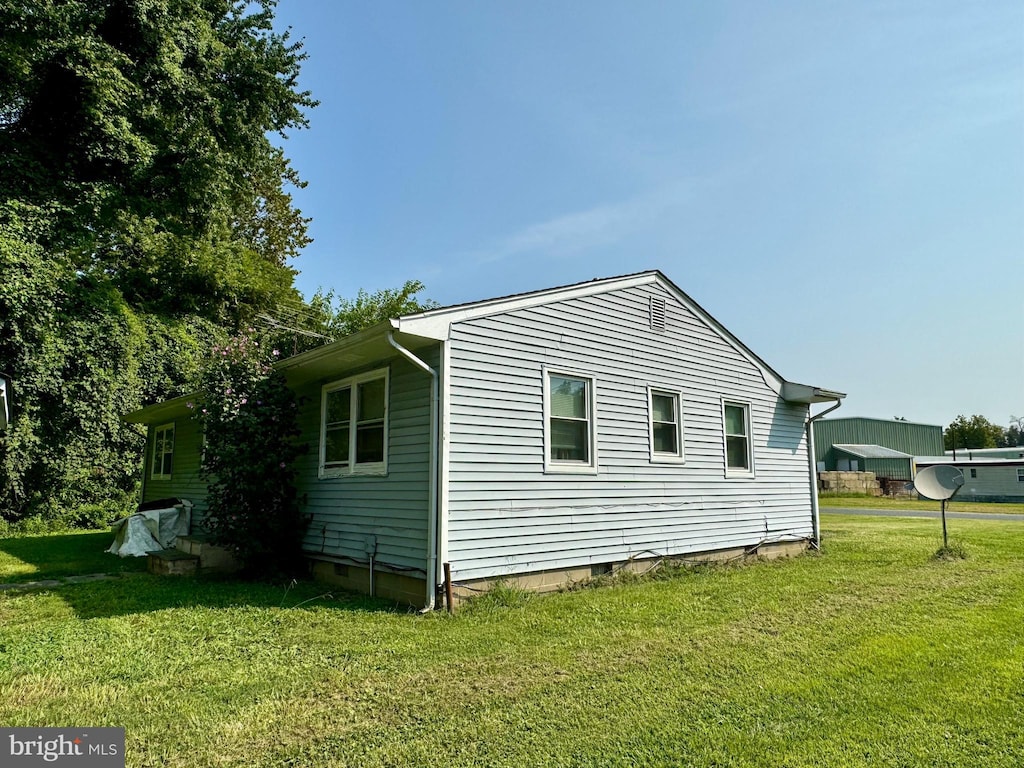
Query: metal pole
448	587
945	540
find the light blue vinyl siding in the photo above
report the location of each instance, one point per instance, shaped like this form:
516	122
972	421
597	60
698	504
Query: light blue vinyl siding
507	516
345	510
184	482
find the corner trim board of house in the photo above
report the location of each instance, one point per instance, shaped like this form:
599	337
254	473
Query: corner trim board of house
432	511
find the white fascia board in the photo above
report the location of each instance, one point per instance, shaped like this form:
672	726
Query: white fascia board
787	390
436	323
436	328
805	393
770	376
373	333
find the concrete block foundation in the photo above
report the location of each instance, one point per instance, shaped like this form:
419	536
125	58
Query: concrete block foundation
406	590
553	580
410	590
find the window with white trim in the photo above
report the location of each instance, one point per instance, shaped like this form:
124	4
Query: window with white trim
163	452
738	454
569	403
1020	475
666	428
354	425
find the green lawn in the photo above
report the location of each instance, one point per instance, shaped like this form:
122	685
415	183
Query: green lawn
871	654
860	501
32	558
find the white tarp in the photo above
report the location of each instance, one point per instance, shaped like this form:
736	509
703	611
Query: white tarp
151	530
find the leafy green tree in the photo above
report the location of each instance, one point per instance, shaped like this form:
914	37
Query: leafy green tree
973	432
368	309
80	357
1014	434
145	213
151	114
249	418
327	317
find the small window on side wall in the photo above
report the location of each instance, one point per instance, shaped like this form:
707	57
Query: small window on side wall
739	459
666	415
163	452
353	426
569	433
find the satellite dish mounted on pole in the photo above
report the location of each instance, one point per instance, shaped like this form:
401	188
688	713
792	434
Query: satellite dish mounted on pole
939	483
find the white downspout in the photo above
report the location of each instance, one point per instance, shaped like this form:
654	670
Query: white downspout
434	441
815	520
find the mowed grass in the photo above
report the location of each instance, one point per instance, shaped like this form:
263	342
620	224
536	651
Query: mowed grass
53	556
860	501
872	653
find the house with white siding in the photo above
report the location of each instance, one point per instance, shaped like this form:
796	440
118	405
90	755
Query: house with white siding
538	438
989	477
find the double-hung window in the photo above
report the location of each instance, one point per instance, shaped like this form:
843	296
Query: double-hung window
666	436
739	458
354	425
163	452
570	435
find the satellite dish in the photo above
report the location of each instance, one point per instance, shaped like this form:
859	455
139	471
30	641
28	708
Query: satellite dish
939	483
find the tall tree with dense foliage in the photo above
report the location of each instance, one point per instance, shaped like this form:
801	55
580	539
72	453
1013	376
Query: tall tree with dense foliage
327	316
144	215
973	432
142	126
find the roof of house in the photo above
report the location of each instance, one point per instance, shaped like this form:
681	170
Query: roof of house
923	461
429	326
871	451
997	452
435	323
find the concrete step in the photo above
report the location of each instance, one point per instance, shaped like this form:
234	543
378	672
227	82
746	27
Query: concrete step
172	562
211	557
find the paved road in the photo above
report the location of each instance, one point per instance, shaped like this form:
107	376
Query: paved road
922	513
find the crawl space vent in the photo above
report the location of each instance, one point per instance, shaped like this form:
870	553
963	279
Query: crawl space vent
657	314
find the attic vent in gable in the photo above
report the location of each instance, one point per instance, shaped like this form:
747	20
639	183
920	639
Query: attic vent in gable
657	314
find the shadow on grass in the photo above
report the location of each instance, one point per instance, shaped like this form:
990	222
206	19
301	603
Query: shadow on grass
146	593
55	556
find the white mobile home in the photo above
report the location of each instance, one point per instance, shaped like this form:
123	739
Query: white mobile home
539	437
985	479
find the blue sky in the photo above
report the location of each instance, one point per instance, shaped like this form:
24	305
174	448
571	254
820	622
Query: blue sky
840	184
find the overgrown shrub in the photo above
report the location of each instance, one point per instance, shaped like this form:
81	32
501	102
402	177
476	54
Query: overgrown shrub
81	357
249	419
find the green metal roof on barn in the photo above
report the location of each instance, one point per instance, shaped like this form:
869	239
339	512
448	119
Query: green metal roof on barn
883	446
872	451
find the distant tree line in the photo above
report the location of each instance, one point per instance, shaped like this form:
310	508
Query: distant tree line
979	432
